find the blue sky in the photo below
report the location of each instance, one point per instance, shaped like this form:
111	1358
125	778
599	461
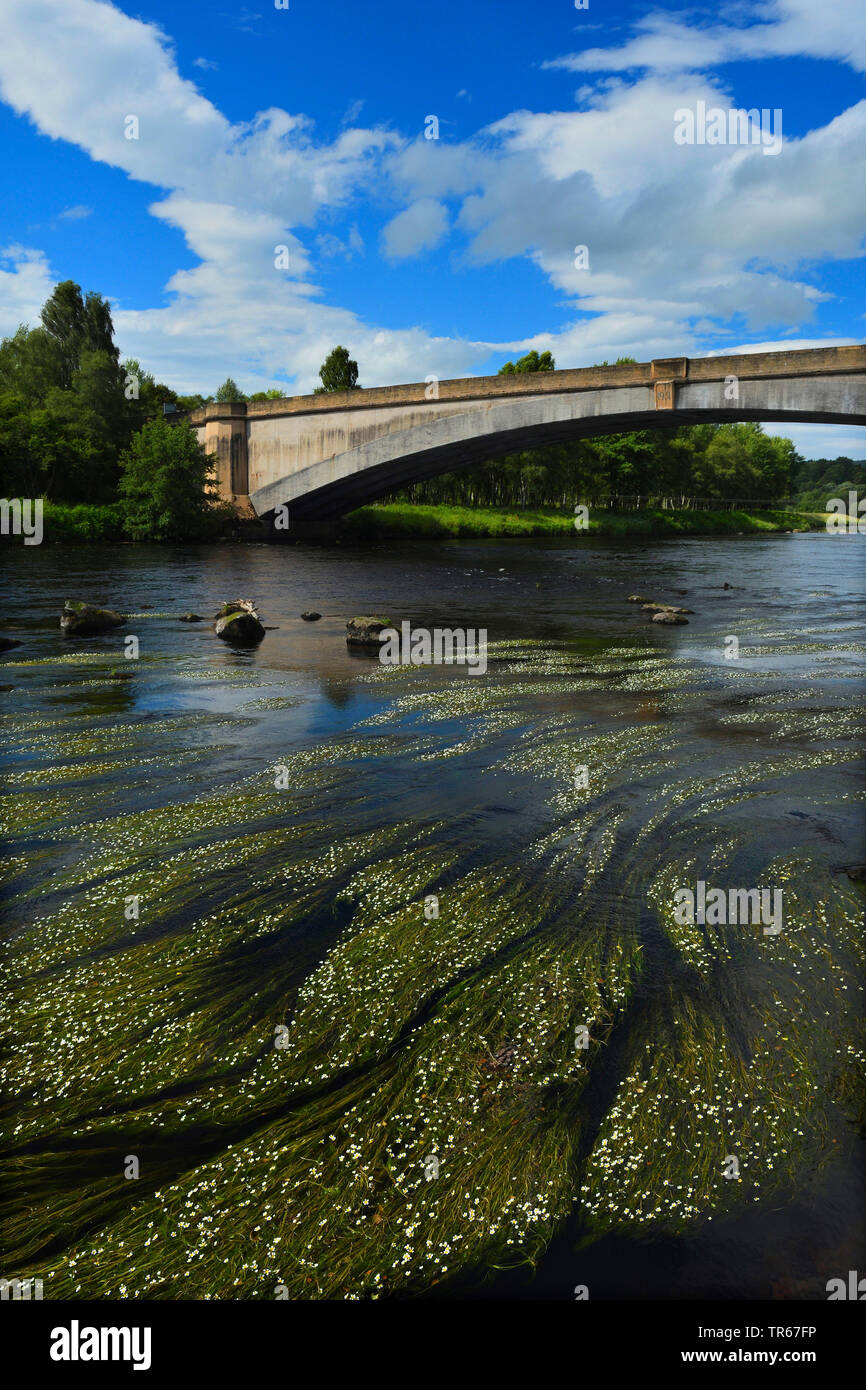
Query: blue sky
305	127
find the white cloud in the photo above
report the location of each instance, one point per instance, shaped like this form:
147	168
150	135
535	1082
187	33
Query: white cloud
76	213
677	235
235	192
786	345
330	246
688	245
419	227
353	111
786	28
823	441
25	284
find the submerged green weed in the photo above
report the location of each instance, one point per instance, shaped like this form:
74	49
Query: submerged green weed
349	1036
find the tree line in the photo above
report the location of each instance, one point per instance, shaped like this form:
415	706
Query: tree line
668	466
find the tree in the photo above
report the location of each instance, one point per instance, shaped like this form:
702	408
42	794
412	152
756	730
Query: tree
43	453
270	395
229	391
76	326
193	402
339	372
167	487
145	397
30	363
530	363
628	460
741	461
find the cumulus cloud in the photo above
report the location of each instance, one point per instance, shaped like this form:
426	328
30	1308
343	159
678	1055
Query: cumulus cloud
785	29
25	284
419	227
237	193
677	235
689	247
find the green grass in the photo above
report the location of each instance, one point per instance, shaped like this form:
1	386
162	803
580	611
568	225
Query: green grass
397	519
83	522
393	520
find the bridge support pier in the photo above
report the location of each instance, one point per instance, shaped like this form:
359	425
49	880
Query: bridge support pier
225	435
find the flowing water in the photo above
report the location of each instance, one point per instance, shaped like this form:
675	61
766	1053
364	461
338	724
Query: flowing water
245	1052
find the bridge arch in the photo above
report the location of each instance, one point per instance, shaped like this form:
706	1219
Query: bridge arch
322	456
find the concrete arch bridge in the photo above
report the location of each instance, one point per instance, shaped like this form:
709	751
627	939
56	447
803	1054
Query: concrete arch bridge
324	455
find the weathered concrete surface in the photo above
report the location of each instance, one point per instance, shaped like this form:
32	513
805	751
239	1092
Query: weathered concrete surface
323	455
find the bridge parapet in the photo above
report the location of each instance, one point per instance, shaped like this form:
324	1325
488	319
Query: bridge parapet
745	366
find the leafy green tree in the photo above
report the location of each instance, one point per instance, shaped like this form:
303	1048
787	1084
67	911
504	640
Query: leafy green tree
271	395
530	363
42	454
167	487
741	461
30	363
339	372
63	383
78	325
145	397
65	321
229	391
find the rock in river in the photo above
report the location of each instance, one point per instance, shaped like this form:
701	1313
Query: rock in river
364	632
82	619
191	618
669	616
238	622
7	643
664	608
310	616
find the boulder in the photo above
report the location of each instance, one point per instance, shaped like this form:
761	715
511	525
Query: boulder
82	619
638	598
191	618
238	622
669	616
364	632
857	873
7	643
310	616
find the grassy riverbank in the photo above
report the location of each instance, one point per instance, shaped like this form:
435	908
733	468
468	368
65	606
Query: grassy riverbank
89	523
400	519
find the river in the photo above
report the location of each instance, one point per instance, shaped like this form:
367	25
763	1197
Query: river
252	1057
